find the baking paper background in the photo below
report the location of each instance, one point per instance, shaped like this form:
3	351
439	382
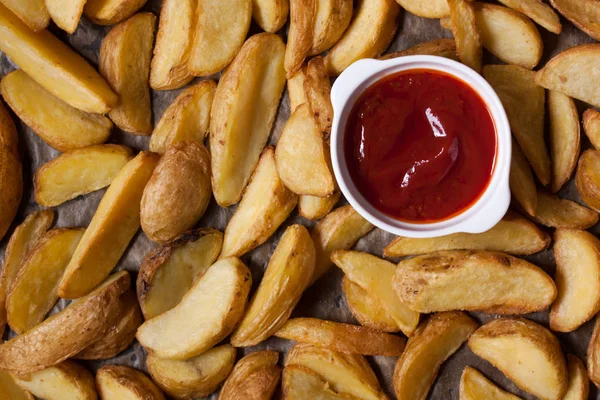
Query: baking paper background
324	299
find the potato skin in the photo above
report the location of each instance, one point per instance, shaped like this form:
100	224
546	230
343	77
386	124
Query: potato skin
11	172
254	377
178	192
134	380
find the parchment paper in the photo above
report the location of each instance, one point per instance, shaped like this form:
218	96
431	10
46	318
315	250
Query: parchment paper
325	298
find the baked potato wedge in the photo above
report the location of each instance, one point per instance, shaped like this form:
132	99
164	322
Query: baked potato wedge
125	56
527	353
591	126
436	339
195	377
113	225
561	213
169	270
254	377
32	293
68	332
538	11
521	181
265	206
314	207
66	15
300	34
222	25
330	22
11	171
344	338
301	383
32	12
270	15
78	172
110	12
587	178
317	88
584	14
187	118
444	281
10	389
295	86
578	387
593	354
475	386
8	133
116	382
287	275
208	312
367	309
564	137
372	29
243	112
466	33
427	8
439	47
178	192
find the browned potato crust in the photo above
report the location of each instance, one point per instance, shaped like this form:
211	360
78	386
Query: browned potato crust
587	178
593	354
591	126
317	88
11	173
466	33
254	377
521	181
440	47
109	12
115	382
561	213
300	34
331	20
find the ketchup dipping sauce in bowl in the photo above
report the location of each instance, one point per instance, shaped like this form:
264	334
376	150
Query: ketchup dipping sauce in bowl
421	146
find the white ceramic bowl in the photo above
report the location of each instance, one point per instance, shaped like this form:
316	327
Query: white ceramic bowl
484	213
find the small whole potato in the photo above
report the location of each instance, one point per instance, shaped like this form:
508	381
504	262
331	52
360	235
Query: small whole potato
178	192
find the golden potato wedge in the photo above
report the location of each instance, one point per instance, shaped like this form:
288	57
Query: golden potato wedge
169	67
577	254
187	118
475	386
265	206
55	66
584	14
564	137
8	135
561	213
114	224
571	72
348	374
444	281
527	353
78	172
109	12
587	178
300	34
67	333
32	293
295	86
301	383
538	11
426	9
340	337
10	389
314	207
270	15
524	104
466	32
287	275
193	378
66	15
178	192
440	47
254	377
375	276
222	25
318	94
125	57
578	387
56	122
11	172
168	271
372	29
330	22
32	12
115	382
593	354
243	112
208	312
513	234
24	238
67	380
366	309
591	126
521	181
436	339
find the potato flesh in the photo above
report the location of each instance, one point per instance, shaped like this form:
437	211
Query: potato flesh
564	137
9	388
255	376
366	309
125	383
66	15
300	383
561	213
270	15
331	20
296	93
60	125
65	381
441	47
522	184
314	207
426	9
587	178
475	386
538	11
579	385
31	12
584	14
109	12
78	172
466	33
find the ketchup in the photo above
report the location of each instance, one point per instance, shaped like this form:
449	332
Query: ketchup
420	146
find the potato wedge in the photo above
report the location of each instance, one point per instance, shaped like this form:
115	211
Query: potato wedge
287	275
60	125
513	234
584	14
426	9
112	227
67	380
9	138
375	276
125	57
366	309
109	12
318	94
538	11
340	337
66	15
436	339
369	34
440	47
314	207
295	86
301	383
187	118
168	271
55	66
579	385
521	181
243	112
32	12
178	192
10	389
593	354
524	104
78	172
208	312
265	206
571	71
11	171
222	25
300	34
330	22
115	382
67	333
193	378
445	280
561	213
169	68
32	293
254	377
591	126
270	15
348	374
527	353
587	178
475	386
466	33
564	137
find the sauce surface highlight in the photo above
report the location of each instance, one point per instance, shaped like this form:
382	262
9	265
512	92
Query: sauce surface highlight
420	145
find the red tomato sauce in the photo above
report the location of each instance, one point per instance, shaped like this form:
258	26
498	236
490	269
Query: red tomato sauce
420	146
